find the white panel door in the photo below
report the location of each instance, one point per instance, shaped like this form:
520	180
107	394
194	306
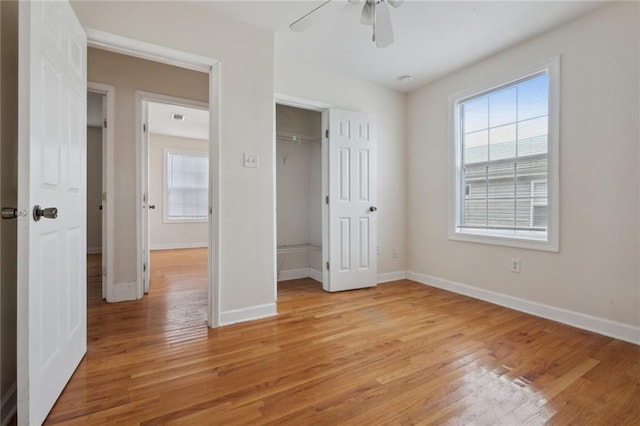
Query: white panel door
52	299
352	201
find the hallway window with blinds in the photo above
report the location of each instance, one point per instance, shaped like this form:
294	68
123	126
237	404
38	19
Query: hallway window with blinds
505	141
187	186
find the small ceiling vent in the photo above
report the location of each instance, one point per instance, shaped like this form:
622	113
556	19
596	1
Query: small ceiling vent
179	117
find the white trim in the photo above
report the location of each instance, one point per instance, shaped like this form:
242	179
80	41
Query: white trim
315	274
123	292
626	332
392	276
94	250
108	184
248	314
552	243
152	52
178	246
163	54
8	405
294	274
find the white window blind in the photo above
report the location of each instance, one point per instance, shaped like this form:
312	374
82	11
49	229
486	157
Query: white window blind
187	186
504	160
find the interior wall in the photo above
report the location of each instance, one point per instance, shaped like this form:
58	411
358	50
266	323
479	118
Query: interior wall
247	197
301	80
128	74
94	189
299	187
8	198
171	235
596	271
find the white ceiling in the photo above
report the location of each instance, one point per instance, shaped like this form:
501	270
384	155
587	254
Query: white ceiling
194	126
432	38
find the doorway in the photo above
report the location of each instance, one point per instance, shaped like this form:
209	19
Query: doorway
175	146
299	189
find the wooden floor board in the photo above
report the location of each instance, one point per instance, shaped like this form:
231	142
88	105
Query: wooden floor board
399	353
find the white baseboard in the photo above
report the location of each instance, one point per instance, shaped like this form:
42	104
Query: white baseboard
626	332
94	250
176	246
315	274
392	276
123	292
293	274
248	314
8	405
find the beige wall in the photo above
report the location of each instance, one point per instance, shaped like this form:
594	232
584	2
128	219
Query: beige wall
94	189
299	187
128	74
298	79
246	121
596	270
171	235
8	197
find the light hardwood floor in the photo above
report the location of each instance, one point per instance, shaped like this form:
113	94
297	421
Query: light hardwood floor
400	353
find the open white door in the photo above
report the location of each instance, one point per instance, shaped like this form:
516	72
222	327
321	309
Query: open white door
52	298
352	201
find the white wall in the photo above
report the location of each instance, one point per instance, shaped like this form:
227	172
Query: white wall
301	80
299	187
171	235
246	113
94	189
596	270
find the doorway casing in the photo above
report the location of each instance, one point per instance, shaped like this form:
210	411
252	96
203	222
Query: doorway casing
130	47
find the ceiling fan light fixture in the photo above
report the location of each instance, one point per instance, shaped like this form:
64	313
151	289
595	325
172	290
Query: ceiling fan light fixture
395	3
405	78
366	17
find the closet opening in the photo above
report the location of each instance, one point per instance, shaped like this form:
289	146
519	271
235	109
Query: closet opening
299	194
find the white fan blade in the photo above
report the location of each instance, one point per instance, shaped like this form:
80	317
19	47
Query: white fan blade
366	17
312	17
395	3
382	30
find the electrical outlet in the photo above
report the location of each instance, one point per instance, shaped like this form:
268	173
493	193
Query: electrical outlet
515	265
394	253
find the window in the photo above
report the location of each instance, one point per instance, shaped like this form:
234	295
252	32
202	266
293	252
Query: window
505	166
186	186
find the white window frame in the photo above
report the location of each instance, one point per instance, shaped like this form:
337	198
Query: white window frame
455	193
535	203
165	186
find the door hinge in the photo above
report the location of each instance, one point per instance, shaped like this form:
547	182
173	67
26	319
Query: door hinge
104	271
144	198
326	133
144	127
327	266
105	123
144	267
326	199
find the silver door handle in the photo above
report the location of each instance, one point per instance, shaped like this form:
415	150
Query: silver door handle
9	213
373	209
152	207
49	212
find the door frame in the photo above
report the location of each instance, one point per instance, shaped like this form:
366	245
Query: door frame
108	179
323	108
140	49
142	98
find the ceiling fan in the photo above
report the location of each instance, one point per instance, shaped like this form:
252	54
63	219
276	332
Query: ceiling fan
374	13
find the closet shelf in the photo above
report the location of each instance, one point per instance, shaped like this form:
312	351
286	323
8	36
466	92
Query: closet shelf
295	137
297	248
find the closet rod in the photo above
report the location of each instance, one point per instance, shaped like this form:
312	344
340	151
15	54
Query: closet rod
293	137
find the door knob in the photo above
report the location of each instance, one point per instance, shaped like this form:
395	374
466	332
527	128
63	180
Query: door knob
373	209
49	212
9	213
152	207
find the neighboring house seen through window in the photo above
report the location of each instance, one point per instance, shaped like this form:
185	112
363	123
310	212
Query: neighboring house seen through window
187	186
505	143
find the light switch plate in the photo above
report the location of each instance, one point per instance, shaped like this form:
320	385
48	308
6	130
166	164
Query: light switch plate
250	160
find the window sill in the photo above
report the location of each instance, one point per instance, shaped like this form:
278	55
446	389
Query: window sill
519	241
